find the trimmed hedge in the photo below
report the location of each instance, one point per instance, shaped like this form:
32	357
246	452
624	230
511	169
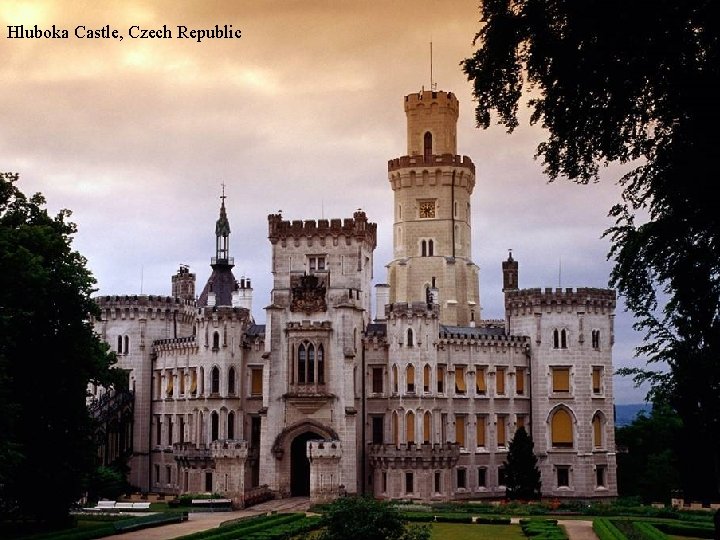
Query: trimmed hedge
542	529
151	520
606	530
245	528
685	529
457	517
648	532
287	530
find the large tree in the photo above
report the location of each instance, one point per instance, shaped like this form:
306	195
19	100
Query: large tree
48	354
637	83
522	475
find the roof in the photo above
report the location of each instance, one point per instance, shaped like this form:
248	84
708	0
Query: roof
222	282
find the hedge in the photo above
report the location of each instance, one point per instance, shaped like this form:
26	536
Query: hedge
542	529
648	532
244	528
606	530
685	529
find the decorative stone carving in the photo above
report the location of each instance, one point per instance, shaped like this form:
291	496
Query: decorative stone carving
308	293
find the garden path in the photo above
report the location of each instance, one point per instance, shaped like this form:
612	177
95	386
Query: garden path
578	529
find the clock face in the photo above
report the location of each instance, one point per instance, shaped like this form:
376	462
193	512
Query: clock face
427	210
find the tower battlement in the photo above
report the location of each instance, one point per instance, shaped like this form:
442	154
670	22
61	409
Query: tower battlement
432	160
411	309
145	306
589	299
356	227
427	98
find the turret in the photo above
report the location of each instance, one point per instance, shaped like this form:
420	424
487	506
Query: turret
510	274
183	284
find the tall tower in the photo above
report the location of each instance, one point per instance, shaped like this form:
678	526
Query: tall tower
222	285
432	226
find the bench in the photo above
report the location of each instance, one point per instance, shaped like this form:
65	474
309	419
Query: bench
141	506
213	504
124	506
105	505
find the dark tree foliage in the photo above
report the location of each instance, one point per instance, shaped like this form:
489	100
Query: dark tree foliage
647	458
522	476
365	518
635	83
48	354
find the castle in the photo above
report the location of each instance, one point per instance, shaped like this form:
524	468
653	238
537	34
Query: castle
418	400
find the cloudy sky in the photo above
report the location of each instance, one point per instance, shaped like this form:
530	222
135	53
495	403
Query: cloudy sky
300	114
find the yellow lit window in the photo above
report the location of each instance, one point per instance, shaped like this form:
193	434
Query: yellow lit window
427	426
500	381
460	430
562	431
410	427
480	385
480	430
561	379
596	380
501	433
460	387
597	431
519	381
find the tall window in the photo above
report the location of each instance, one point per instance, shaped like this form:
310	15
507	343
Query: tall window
321	364
597	380
563	476
310	363
214	426
215	381
600	475
378	429
410	379
440	380
520	381
119	344
560	339
426	378
395	378
409	482
501	430
482	477
561	429
410	341
462	478
480	385
460	430
561	379
231	381
427	427
216	341
460	387
395	429
423	248
256	382
410	427
377	380
231	425
431	248
500	381
595	339
427	145
480	430
126	341
597	424
302	364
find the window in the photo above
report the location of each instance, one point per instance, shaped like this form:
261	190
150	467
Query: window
310	363
561	429
410	379
427	209
502	476
119	344
427	145
168	474
410	342
410	427
181	381
169	431
438	482
597	373
395	429
482	477
127	345
423	248
441	380
395	378
181	429
426	378
214	426
378	430
460	430
431	248
460	387
520	422
193	382
231	425
302	364
321	364
561	379
501	430
595	336
563	476
409	482
563	339
169	389
461	478
520	381
158	431
316	262
157	473
208	482
500	381
377	380
480	386
215	381
560	339
231	381
480	429
427	427
600	476
256	382
384	482
443	427
597	424
216	341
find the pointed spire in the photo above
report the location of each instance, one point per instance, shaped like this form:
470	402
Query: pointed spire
222	234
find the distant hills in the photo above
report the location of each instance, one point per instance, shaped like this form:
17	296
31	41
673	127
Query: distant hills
625	414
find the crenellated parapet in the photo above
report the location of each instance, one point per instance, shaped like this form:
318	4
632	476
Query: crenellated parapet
485	341
414	456
145	307
229	449
356	228
588	300
175	345
400	310
309	326
322	449
227	313
431	161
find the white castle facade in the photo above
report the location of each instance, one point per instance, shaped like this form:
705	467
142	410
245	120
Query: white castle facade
418	400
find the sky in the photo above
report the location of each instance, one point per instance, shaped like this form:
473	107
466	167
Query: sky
300	114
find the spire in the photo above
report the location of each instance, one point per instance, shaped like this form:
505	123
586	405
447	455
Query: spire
222	235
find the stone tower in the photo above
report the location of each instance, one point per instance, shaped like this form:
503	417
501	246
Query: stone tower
432	227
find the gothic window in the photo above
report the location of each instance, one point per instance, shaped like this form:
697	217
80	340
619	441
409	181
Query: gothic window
119	344
426	378
410	379
231	425
431	248
395	429
597	373
410	427
441	380
595	339
216	341
410	341
215	381
427	427
395	378
597	424
202	382
126	349
427	145
563	339
310	363
561	429
231	381
423	248
556	339
214	426
320	365
302	363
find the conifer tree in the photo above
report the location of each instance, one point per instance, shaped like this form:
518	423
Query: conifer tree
522	476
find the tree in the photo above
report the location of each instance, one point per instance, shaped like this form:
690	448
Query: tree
522	476
48	354
634	83
647	458
365	518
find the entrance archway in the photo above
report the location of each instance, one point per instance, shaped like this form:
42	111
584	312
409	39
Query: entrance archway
300	464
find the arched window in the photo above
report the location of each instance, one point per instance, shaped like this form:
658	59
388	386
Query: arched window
410	379
597	424
231	381
395	431
302	362
427	145
214	426
427	427
556	339
410	427
231	425
595	339
563	339
395	378
561	429
431	248
410	341
126	349
320	364
215	381
216	341
119	345
311	363
423	248
426	378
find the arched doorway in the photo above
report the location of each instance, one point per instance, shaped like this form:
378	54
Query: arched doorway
300	464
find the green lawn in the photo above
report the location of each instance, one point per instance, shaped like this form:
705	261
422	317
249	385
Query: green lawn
460	531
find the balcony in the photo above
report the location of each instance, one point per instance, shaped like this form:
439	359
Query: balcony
414	456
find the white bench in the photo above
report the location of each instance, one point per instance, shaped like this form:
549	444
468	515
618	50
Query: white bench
124	506
105	505
141	506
